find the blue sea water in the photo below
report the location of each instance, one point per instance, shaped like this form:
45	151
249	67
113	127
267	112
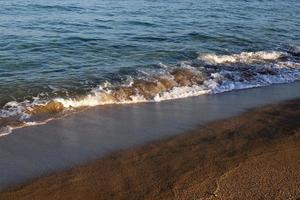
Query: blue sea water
53	48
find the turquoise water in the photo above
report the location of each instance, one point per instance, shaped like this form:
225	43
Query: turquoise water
65	49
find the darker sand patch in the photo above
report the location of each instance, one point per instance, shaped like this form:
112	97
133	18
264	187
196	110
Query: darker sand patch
252	156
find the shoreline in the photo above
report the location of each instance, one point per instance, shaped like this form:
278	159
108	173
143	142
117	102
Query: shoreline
254	155
77	139
166	83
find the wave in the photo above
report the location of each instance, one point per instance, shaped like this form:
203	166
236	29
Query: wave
244	57
167	82
55	7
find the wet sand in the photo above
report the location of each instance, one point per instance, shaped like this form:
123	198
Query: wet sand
41	150
252	156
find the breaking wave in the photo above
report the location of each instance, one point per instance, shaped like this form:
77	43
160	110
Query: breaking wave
209	74
244	57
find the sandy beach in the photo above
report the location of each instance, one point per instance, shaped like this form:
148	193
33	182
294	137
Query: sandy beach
252	156
131	100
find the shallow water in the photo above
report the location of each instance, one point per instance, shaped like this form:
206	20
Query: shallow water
63	50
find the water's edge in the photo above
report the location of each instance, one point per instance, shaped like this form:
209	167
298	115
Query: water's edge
209	74
38	150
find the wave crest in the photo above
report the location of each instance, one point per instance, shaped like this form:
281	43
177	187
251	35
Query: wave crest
244	57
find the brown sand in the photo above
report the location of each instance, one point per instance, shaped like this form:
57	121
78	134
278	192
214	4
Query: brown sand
252	156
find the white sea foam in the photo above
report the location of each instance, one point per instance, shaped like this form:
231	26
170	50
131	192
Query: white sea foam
5	130
244	57
217	83
181	92
97	97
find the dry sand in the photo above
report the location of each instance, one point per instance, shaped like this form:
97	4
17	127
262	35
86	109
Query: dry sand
252	156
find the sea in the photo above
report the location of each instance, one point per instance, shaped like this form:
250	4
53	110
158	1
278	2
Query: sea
59	57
